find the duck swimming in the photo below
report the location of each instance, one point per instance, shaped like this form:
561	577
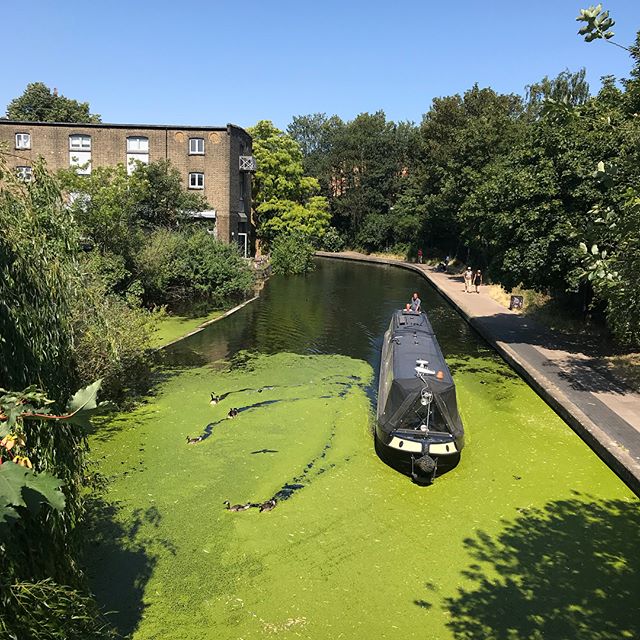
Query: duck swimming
237	507
214	399
233	412
269	505
194	440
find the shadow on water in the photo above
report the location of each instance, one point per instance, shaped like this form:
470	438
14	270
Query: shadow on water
466	364
121	550
567	571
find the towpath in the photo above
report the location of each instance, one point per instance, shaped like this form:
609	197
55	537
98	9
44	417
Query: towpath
564	372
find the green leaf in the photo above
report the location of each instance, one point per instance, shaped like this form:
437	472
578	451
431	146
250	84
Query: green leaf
83	405
21	487
47	486
583	247
12	479
84	398
594	250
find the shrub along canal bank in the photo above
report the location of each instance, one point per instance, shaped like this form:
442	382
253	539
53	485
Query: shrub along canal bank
517	541
604	413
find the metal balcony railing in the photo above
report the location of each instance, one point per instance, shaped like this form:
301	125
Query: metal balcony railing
248	163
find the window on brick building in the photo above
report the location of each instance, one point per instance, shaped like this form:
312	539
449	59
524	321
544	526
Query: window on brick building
80	153
81	160
24	173
79	142
137	151
196	181
137	144
23	141
196	146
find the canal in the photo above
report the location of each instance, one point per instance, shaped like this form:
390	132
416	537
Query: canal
530	536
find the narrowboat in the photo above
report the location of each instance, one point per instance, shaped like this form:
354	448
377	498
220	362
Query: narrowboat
418	427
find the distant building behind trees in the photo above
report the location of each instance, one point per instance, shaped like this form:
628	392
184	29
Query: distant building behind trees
214	161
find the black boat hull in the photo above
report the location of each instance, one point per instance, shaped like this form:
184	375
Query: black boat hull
418	427
404	460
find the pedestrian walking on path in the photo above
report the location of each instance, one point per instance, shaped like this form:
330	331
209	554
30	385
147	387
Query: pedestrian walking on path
477	280
468	277
419	256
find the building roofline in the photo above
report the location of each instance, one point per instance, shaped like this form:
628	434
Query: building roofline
112	125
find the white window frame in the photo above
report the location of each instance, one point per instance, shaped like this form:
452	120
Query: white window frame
79	142
23	140
137	144
24	173
81	160
196	146
137	151
196	180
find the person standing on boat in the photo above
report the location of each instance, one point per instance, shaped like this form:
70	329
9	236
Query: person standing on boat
415	303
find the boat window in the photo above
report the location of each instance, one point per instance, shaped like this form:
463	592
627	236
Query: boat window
421	413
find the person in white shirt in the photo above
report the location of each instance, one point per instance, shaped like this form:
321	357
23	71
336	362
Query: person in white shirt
468	278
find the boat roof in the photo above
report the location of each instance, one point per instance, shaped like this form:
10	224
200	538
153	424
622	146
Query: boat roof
415	340
411	321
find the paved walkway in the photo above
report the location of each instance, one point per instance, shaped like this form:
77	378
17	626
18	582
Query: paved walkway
603	412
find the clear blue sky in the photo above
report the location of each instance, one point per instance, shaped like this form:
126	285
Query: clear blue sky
209	62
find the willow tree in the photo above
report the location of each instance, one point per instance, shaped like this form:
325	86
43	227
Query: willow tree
37	248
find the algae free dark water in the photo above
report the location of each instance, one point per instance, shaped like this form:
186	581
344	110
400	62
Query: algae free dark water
531	536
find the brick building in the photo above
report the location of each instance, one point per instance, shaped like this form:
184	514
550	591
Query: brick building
215	160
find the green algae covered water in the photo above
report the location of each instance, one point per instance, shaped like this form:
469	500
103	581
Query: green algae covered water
530	536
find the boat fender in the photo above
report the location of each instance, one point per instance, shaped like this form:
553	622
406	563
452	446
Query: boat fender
426	465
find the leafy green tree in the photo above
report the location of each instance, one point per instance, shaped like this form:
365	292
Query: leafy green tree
632	85
316	134
363	167
566	88
164	202
112	333
460	136
114	211
41	592
311	220
611	263
612	267
365	171
191	266
292	253
286	199
280	175
105	205
39	104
